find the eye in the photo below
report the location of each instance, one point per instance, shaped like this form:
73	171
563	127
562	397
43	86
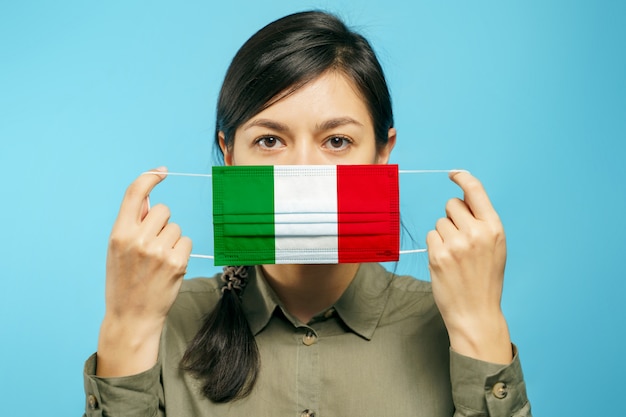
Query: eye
268	142
337	143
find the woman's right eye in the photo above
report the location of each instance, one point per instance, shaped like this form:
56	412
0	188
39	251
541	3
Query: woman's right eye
268	142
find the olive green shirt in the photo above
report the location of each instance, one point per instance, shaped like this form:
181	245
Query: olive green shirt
381	350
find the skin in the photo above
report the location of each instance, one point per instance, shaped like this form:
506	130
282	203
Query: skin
324	122
146	261
336	128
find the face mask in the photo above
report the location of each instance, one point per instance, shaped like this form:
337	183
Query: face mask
306	214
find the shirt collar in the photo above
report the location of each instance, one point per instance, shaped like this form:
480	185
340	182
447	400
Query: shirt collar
360	307
362	304
258	300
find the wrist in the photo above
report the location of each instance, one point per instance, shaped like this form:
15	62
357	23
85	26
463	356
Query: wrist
127	347
482	338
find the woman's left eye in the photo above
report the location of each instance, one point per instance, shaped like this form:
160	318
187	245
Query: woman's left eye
337	143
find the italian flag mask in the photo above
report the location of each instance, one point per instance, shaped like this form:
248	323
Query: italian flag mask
305	214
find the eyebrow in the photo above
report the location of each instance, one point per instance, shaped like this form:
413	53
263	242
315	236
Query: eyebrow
337	122
267	123
280	127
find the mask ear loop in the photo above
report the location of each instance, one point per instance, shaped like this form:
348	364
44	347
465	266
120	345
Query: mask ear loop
426	171
194	255
401	171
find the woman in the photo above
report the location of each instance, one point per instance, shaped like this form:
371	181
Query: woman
305	340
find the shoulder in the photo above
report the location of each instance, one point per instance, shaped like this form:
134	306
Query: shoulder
408	284
196	298
398	286
409	297
199	286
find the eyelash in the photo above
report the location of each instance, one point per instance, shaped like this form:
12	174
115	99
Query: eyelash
346	142
260	140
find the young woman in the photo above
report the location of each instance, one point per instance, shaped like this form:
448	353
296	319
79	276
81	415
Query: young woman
305	340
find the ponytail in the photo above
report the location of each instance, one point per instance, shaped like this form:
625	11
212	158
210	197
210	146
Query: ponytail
223	355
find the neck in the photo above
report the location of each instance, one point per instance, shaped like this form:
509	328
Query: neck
306	290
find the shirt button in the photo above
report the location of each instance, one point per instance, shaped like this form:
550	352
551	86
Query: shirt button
309	338
92	402
500	390
307	413
329	313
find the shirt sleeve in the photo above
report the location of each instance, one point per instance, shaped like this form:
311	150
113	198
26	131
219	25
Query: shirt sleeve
487	389
130	396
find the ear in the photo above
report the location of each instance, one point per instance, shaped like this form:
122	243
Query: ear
228	156
382	155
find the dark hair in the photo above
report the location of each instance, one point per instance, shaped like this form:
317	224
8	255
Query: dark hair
224	353
287	54
276	61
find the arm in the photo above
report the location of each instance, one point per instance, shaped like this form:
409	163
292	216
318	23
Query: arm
482	389
135	395
467	257
146	262
467	254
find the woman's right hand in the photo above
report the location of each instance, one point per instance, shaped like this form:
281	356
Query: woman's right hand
146	261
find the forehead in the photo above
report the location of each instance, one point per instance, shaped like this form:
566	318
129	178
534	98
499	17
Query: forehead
330	95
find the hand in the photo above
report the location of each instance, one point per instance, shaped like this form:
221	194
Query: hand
146	261
467	256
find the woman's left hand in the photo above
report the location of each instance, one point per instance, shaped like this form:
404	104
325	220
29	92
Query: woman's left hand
467	255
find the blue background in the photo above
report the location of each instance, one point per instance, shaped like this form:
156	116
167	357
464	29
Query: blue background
528	95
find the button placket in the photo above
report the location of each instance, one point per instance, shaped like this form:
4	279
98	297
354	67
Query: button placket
308	372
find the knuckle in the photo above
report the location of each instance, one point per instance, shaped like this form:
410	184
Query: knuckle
474	186
477	235
153	251
175	228
134	190
162	209
500	238
440	258
186	241
118	240
441	222
177	263
143	251
459	246
452	203
497	230
491	232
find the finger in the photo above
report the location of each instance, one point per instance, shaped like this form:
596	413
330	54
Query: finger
145	208
180	255
136	193
446	229
434	243
170	234
182	250
183	246
155	220
459	213
475	195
